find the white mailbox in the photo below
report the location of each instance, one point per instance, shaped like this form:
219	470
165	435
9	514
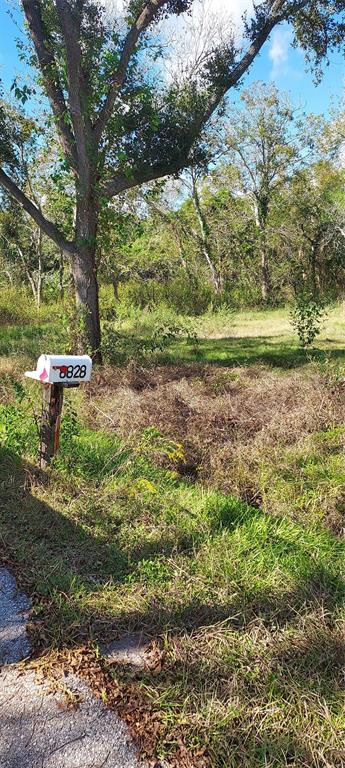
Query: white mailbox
62	369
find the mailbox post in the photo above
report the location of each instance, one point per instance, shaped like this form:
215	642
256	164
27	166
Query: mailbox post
52	402
55	372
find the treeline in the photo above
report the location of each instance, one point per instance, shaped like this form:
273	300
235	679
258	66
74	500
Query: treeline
257	218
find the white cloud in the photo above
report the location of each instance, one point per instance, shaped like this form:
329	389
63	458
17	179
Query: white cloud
233	10
279	52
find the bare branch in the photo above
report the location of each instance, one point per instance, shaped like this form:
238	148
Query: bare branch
47	65
36	214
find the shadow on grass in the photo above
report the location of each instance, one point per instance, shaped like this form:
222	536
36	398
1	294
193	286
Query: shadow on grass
252	350
53	554
227	351
309	657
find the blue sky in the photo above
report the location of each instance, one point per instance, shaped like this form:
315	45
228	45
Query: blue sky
278	63
287	68
9	63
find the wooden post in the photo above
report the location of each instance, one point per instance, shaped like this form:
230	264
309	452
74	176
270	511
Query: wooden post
50	424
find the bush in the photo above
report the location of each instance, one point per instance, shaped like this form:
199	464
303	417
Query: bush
306	317
179	293
188	298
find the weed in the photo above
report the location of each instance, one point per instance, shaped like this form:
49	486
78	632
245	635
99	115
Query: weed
18	423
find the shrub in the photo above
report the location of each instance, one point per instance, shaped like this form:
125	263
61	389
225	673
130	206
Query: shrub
190	297
306	317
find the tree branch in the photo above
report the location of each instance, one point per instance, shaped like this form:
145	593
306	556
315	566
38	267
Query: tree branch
77	86
243	65
279	11
47	64
121	182
142	22
36	214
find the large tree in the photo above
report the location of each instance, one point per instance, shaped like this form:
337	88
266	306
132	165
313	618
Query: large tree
120	123
268	140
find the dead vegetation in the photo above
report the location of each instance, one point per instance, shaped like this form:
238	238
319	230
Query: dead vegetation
253	432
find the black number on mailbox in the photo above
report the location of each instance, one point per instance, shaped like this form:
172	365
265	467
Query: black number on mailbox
73	372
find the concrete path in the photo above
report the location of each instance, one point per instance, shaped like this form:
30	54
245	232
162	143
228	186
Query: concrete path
14	612
38	728
39	731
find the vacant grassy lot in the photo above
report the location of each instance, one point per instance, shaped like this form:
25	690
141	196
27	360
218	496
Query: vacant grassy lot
201	499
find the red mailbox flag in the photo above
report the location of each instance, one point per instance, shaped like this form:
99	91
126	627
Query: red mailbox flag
62	368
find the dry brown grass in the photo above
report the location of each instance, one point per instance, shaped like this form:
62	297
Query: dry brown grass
266	664
246	431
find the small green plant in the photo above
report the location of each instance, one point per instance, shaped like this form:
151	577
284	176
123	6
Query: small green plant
306	317
167	331
154	444
153	571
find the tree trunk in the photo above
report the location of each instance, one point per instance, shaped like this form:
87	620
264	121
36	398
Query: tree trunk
32	285
115	284
83	265
40	270
84	271
61	274
314	254
214	273
261	215
204	237
115	277
265	273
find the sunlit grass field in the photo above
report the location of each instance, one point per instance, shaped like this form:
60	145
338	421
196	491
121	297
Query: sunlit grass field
199	497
